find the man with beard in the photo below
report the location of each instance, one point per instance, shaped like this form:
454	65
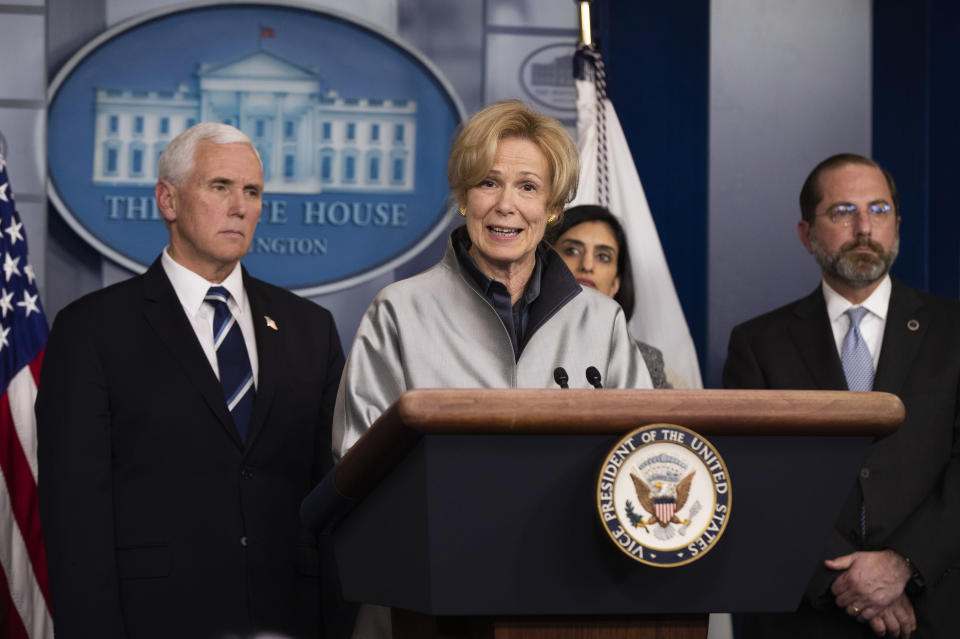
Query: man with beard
892	562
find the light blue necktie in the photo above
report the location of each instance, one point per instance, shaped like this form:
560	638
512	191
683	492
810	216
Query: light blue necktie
856	358
236	376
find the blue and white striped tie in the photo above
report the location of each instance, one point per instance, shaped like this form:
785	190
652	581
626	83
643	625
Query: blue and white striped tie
854	355
236	376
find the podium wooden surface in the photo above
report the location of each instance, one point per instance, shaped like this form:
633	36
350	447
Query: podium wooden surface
607	412
572	582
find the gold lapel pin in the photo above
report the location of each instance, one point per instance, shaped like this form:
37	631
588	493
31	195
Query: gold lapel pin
913	324
271	323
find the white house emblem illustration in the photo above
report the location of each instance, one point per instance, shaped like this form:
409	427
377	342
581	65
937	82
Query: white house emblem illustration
310	138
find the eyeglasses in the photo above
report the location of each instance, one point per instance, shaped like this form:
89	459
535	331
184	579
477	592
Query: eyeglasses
845	214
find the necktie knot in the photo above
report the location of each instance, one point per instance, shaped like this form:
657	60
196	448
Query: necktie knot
217	295
856	313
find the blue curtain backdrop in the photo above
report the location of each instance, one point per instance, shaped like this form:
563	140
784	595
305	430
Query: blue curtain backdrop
658	74
916	133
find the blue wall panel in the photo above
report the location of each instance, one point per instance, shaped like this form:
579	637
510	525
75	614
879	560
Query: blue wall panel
657	57
944	258
916	134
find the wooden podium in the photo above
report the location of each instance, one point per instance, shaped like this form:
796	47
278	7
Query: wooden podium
472	513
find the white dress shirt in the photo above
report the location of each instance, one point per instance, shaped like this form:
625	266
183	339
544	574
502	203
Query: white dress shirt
872	324
191	289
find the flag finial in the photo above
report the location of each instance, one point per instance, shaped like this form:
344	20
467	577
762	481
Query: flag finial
586	38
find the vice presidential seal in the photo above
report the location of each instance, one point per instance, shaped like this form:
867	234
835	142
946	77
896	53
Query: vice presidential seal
663	495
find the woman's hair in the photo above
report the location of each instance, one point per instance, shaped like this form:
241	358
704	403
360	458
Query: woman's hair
593	213
475	147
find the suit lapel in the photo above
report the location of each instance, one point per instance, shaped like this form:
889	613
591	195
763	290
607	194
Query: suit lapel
813	338
907	323
268	339
165	315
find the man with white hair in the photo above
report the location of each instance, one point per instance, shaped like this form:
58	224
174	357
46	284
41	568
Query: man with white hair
183	415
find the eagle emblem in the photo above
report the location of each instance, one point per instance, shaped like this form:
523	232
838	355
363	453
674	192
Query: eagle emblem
662	499
663	495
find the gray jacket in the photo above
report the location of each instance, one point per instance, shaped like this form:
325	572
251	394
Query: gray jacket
653	358
434	331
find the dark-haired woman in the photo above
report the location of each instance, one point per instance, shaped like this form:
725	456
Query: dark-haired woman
592	243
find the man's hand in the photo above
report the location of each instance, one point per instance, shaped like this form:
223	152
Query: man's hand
869	580
896	620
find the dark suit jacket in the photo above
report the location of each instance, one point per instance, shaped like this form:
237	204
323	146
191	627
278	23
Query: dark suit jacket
158	520
910	482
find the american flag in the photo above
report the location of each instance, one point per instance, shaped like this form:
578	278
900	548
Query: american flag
608	176
24	591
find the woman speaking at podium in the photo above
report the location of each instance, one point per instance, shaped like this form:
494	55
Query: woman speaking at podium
501	310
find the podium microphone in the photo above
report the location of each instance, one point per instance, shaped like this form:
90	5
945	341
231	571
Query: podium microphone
593	376
560	377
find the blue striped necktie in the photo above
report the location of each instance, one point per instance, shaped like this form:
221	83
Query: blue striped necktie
854	355
236	376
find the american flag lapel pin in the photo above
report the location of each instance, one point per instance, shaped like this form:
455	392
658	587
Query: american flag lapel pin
271	323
